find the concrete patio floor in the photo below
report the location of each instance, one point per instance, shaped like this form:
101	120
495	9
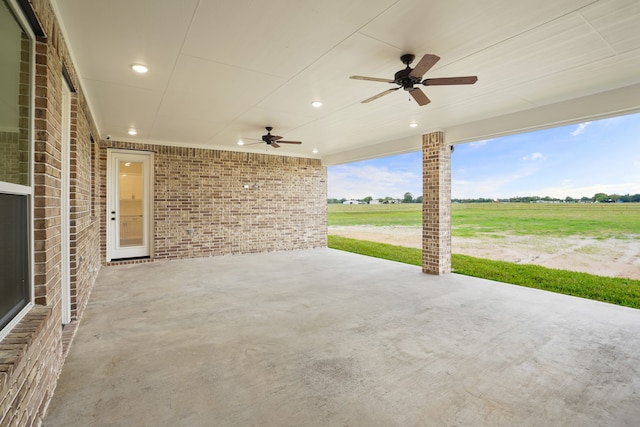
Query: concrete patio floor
327	338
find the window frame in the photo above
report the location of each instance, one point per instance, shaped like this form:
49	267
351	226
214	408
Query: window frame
27	190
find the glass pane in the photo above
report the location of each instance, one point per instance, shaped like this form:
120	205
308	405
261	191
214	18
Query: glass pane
131	186
14	256
15	99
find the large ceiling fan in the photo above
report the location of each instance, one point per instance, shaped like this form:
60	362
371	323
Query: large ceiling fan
271	139
408	77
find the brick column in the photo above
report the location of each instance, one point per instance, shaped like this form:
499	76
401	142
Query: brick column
436	204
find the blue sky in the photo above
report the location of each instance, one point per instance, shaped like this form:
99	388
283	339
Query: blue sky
578	160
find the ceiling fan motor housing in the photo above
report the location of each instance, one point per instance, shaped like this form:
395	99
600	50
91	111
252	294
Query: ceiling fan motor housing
267	138
409	77
403	79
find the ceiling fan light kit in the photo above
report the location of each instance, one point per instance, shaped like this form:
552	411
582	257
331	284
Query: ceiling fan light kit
408	78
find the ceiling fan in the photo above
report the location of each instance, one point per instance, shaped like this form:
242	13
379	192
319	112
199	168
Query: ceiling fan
271	139
408	77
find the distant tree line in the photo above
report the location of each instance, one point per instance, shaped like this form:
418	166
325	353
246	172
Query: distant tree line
408	198
597	198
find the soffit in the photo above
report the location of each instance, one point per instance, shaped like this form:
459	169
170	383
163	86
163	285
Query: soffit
222	70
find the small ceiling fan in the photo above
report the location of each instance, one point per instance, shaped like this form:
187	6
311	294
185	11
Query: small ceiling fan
408	77
271	139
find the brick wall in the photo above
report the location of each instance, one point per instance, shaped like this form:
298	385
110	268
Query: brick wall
436	204
84	224
9	155
31	354
14	146
30	362
201	207
284	208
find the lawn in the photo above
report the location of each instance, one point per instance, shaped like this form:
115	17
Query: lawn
497	220
598	220
378	215
601	221
608	289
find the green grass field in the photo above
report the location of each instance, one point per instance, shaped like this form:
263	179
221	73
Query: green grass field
601	221
497	220
608	289
378	215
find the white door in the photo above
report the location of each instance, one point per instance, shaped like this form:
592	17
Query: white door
129	207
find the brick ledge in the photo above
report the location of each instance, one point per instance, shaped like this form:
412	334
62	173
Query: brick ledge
15	345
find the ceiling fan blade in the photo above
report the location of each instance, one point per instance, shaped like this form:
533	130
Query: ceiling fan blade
419	96
274	137
466	80
424	65
381	94
274	145
289	142
372	79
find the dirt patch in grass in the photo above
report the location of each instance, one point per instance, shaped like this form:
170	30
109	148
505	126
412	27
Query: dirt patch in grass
605	257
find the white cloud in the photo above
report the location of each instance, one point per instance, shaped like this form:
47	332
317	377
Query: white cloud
500	188
580	129
577	191
480	143
357	182
492	187
533	156
471	189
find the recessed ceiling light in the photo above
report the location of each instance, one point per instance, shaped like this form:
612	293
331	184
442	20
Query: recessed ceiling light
139	68
317	104
128	164
132	132
315	151
413	125
240	142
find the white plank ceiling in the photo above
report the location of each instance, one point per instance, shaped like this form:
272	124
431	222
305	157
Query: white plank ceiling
222	70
